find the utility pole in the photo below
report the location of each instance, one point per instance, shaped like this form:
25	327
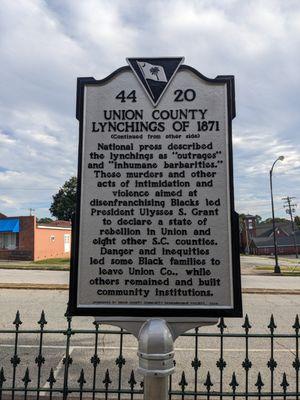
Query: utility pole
290	209
31	210
247	237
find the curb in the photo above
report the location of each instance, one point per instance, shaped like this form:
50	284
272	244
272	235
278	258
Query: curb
38	286
56	268
270	291
63	286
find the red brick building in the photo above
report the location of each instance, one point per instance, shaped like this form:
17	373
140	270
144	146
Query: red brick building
22	238
258	238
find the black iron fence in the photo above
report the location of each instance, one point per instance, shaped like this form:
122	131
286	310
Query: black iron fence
211	363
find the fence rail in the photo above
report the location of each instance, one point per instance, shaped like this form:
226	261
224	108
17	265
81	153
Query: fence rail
29	366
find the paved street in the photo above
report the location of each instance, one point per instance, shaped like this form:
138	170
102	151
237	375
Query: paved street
253	261
258	306
31	302
31	276
62	278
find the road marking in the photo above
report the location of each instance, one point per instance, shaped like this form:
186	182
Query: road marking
57	370
28	346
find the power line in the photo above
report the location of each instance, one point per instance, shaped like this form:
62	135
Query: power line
291	209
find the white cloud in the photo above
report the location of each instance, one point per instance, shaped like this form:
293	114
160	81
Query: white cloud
45	45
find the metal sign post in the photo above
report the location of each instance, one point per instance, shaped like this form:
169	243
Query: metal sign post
156	237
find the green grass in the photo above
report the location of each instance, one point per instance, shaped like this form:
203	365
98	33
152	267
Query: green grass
50	264
286	271
290	260
40	267
54	261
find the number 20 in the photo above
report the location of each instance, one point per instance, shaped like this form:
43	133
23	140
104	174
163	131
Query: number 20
188	95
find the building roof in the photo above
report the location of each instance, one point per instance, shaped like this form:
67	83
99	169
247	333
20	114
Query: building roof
282	241
249	216
266	230
2	215
56	224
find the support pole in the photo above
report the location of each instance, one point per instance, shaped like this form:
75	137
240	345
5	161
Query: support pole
156	338
156	388
156	354
276	267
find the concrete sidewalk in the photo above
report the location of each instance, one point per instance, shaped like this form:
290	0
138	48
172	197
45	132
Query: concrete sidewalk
22	279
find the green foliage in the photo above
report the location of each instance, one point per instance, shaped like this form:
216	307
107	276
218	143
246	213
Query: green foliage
297	221
64	202
45	220
258	219
269	220
242	217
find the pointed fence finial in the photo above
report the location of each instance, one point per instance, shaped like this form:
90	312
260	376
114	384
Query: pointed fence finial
221	325
183	382
17	320
2	377
81	379
272	326
259	383
234	384
246	324
208	383
26	378
51	378
42	321
296	325
106	379
284	384
132	381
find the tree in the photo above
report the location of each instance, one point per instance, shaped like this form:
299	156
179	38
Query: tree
243	216
276	219
64	202
45	220
241	221
297	221
258	219
154	71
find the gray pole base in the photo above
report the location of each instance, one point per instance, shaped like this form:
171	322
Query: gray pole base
156	354
156	338
156	388
156	349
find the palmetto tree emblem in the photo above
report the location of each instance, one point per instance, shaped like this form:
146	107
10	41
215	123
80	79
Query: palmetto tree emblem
155	74
155	71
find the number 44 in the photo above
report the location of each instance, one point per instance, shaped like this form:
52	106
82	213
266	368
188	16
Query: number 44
122	96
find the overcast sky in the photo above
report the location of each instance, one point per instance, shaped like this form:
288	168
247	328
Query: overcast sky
46	45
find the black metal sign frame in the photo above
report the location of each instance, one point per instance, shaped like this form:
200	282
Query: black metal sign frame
140	311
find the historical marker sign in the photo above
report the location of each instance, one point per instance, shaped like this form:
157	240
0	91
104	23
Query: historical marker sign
156	233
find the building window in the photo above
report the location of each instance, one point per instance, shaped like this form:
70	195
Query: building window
9	240
52	238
